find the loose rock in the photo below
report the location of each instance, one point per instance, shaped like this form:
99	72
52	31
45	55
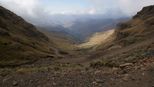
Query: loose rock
15	83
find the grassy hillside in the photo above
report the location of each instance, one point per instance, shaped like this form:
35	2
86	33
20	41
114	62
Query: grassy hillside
134	40
19	40
61	41
97	39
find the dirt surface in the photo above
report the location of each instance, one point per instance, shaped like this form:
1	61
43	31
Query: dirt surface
128	61
49	73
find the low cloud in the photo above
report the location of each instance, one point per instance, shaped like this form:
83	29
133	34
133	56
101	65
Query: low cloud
34	11
21	7
128	7
32	7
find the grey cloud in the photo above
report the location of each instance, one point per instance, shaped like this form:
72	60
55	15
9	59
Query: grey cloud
36	13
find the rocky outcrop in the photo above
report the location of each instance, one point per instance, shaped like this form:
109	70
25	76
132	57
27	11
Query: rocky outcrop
145	12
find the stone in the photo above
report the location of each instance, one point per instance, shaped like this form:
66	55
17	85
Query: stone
125	65
31	81
99	81
96	72
15	83
126	77
54	83
143	74
95	83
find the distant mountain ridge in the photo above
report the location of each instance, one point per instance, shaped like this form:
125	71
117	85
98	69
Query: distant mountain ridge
82	29
85	29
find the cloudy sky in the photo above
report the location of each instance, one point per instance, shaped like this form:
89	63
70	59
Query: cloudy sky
46	8
31	7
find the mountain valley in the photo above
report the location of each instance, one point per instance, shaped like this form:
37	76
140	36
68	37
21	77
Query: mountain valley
119	54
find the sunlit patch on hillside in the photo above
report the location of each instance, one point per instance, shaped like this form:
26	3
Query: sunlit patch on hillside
97	39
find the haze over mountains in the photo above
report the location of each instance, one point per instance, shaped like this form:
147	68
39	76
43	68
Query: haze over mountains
73	44
92	16
85	26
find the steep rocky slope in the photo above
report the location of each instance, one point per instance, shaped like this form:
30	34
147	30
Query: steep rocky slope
134	40
20	42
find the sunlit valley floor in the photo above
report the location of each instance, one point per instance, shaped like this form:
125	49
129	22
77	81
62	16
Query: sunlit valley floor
122	57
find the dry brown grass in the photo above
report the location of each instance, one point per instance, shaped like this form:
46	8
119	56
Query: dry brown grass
97	39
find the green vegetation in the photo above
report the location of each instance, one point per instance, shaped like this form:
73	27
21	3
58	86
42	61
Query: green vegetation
104	63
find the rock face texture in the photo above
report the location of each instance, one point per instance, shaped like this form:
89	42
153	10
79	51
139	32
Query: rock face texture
146	12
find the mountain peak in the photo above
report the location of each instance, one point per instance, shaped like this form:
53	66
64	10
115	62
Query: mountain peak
145	12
